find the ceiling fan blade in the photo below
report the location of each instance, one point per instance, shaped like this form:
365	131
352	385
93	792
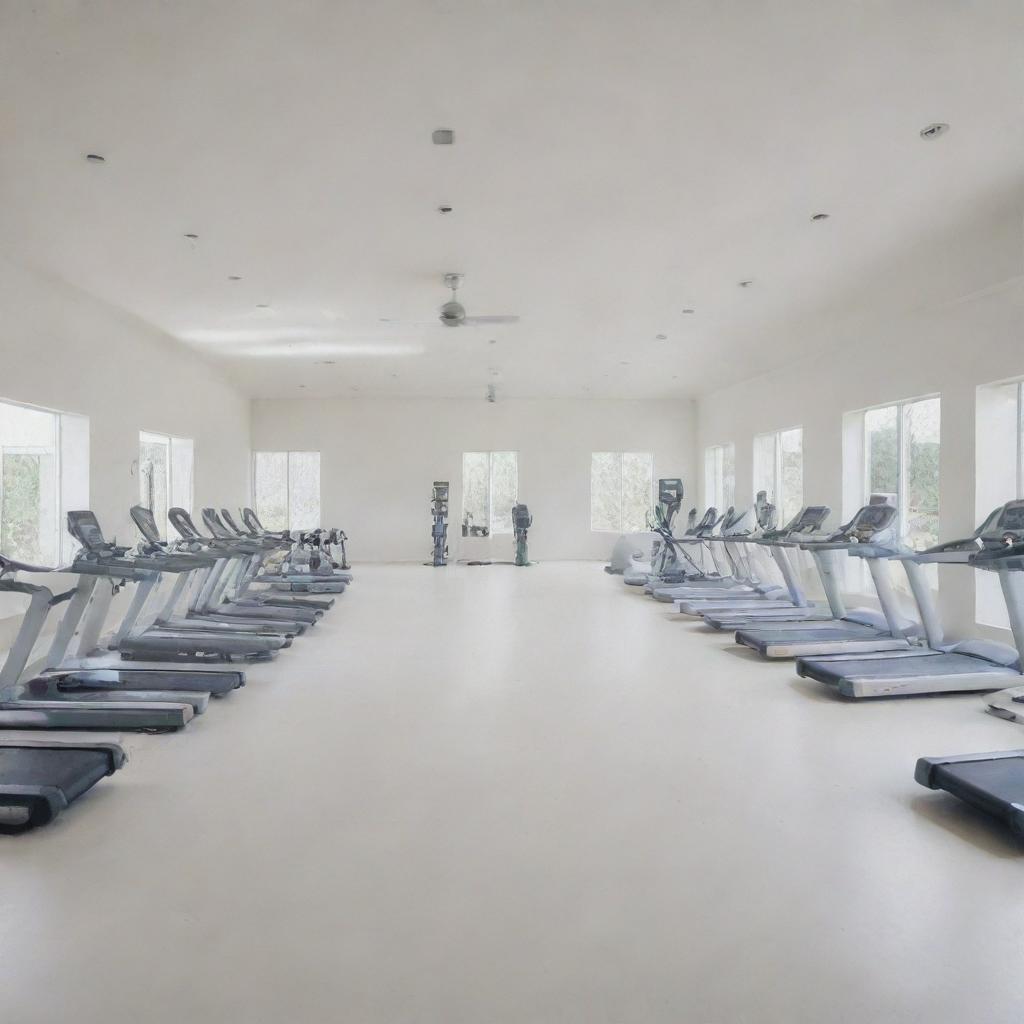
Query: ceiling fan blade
491	320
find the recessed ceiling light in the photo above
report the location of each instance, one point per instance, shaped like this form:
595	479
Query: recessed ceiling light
933	131
819	216
444	209
95	158
443	137
326	362
661	337
493	341
746	284
234	277
688	311
192	238
394	375
302	385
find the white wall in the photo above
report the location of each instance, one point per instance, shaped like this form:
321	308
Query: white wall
65	350
380	457
947	349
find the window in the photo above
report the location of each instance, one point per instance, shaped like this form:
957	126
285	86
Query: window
286	489
44	471
621	484
490	485
999	462
901	458
165	475
779	470
720	475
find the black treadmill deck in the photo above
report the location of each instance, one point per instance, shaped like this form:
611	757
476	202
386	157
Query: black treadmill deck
992	782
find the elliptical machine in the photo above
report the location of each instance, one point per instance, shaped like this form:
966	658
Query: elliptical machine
521	522
439	527
665	556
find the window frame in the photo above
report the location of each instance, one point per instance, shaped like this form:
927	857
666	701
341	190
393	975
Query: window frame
63	545
288	453
491	532
901	408
159	437
777	494
650	495
711	495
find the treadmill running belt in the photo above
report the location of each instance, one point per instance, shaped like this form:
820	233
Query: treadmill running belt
831	671
837	631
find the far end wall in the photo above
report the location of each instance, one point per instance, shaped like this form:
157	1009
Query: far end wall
379	458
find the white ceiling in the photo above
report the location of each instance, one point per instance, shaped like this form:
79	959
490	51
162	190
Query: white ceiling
615	163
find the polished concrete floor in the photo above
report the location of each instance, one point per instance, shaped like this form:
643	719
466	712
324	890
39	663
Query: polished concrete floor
490	795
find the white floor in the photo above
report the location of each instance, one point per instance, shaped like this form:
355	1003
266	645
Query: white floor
489	795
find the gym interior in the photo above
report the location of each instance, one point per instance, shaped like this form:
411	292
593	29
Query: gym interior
511	512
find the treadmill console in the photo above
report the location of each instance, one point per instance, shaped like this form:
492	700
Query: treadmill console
215	526
146	523
670	491
809	519
229	520
252	524
182	522
870	521
85	528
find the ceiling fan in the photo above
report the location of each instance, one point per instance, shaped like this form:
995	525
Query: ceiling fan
453	313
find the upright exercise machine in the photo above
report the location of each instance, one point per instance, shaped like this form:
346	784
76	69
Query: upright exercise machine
521	522
439	527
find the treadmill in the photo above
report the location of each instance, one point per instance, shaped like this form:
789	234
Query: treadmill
871	536
940	667
42	704
297	582
238	576
734	610
994	781
737	529
252	571
41	774
209	599
87	613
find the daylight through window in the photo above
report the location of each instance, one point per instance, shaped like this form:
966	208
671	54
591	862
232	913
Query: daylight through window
286	489
165	474
779	470
621	485
490	487
720	476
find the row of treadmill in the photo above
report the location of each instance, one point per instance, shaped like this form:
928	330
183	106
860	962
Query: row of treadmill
736	571
195	612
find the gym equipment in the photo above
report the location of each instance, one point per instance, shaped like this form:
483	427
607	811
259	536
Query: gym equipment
213	600
739	576
521	522
41	774
159	637
665	558
628	551
89	706
732	610
992	782
939	667
871	535
307	578
439	526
